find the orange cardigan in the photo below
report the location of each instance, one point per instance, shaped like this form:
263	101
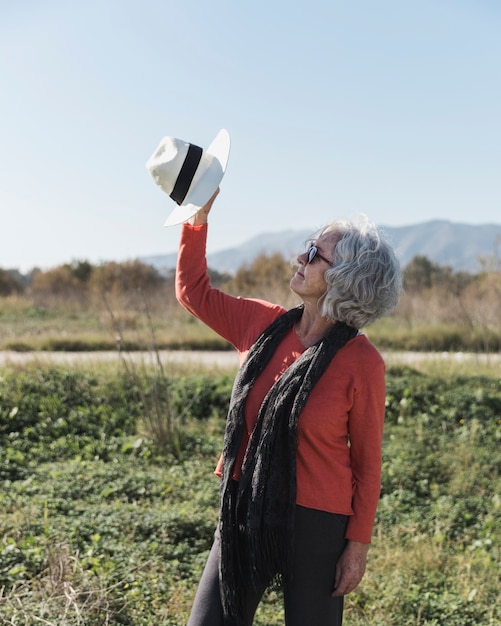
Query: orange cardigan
341	427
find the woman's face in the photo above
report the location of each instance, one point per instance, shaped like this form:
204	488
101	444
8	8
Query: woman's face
309	282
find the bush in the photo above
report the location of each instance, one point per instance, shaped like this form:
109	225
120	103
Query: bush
101	525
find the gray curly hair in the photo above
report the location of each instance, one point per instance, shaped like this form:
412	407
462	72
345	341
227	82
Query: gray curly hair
365	280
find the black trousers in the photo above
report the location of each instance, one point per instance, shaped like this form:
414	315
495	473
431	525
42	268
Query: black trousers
319	541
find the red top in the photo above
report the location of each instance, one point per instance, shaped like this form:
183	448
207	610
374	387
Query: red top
341	427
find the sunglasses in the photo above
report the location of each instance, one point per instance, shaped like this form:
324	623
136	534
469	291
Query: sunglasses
313	253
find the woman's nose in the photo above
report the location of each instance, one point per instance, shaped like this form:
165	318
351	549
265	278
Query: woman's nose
302	258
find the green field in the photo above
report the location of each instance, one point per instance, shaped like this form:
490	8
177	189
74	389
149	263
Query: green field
108	501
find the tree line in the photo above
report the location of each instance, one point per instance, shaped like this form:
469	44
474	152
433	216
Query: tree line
257	278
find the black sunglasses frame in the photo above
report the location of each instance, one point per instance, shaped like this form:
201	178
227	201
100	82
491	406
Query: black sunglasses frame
312	253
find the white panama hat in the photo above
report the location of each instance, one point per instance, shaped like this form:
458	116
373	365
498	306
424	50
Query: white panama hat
188	174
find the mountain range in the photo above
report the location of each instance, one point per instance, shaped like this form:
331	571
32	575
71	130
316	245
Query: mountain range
459	246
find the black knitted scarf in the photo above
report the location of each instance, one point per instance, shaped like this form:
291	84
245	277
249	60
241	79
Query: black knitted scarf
257	514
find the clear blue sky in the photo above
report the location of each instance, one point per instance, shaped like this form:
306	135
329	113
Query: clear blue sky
391	108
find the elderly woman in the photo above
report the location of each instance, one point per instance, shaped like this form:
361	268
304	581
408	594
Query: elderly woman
301	463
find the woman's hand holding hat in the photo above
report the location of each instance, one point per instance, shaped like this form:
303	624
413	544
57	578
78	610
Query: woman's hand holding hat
201	216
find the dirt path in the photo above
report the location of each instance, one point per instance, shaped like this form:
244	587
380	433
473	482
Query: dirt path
229	359
209	359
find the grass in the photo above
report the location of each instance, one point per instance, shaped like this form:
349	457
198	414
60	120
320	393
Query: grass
65	325
60	326
103	525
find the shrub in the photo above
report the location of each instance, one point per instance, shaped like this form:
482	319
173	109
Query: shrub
101	525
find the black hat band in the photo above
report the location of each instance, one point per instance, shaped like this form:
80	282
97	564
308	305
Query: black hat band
186	173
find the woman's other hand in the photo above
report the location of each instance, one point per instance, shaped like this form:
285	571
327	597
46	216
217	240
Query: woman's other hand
201	216
350	568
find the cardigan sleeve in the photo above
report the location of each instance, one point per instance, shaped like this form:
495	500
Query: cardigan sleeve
238	320
366	423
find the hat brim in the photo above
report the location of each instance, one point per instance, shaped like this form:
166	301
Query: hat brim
208	183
